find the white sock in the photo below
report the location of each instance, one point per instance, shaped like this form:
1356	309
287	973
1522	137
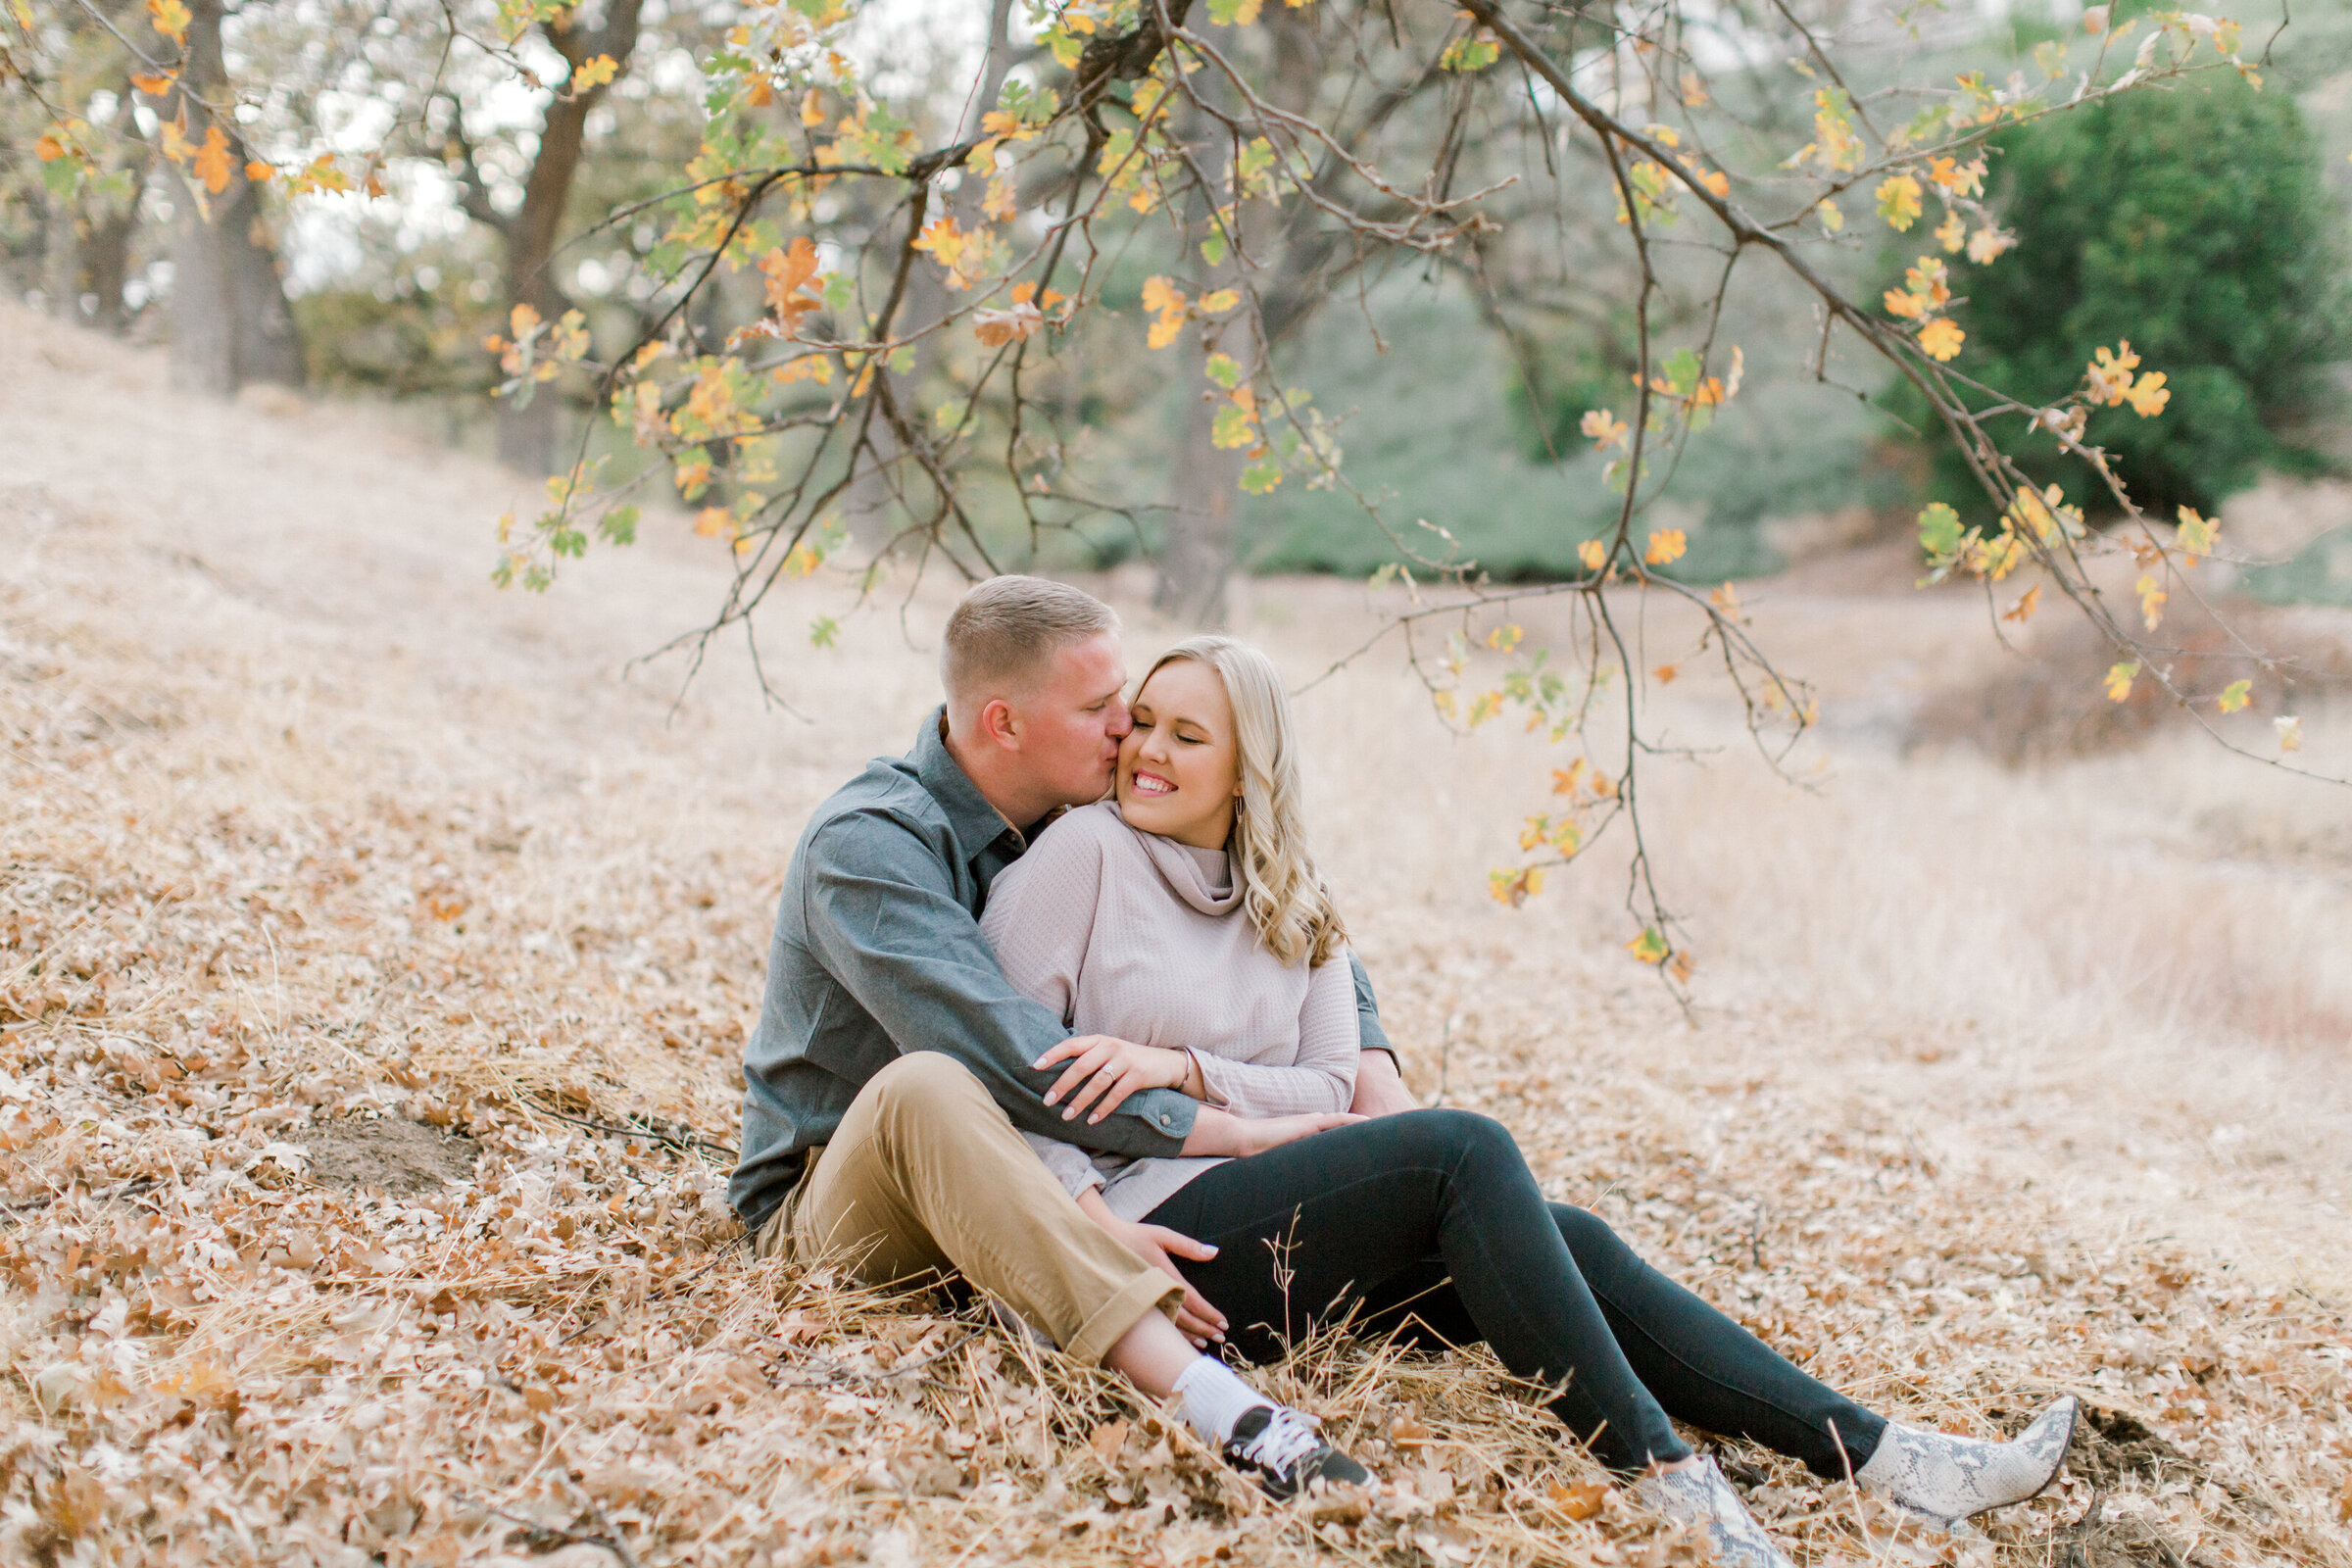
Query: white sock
1215	1400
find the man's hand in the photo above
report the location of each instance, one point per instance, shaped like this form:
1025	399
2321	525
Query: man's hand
1105	1070
1199	1321
1219	1131
1379	1090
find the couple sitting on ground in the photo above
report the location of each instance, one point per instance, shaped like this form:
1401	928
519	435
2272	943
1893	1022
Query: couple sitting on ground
1060	1002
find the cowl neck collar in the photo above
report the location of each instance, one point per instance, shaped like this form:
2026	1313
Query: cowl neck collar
1201	878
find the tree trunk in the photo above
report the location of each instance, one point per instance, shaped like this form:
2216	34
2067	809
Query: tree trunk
1196	552
231	322
61	261
528	435
105	247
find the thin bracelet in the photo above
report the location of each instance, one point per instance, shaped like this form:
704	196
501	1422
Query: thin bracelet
1194	1057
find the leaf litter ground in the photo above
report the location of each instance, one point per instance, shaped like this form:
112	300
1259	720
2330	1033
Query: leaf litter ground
367	1077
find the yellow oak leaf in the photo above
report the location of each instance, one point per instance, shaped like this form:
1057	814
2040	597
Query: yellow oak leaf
2235	696
1515	888
594	72
1602	428
1649	946
1951	233
2151	600
1665	545
1898	201
2110	373
2023	609
2198	535
171	18
1592	553
2147	395
1939	340
1165	298
2117	681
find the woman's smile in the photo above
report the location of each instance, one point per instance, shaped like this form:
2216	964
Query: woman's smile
1180	765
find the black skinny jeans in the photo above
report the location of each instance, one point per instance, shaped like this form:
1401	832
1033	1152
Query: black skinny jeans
1430	1221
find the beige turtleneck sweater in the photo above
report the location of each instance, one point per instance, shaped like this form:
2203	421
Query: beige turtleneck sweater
1129	934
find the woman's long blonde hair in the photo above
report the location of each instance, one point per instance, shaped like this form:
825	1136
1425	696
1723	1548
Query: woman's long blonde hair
1282	892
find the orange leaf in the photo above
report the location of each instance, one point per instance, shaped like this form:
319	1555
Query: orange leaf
1582	1500
213	165
790	271
1665	545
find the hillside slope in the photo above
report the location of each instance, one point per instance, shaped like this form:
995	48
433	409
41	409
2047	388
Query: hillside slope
375	952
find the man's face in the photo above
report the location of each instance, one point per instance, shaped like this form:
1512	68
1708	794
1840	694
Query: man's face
1071	724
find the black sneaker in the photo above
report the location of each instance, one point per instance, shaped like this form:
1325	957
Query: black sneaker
1283	1453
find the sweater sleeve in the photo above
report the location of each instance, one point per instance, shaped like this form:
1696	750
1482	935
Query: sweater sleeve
1067	1162
1041	913
1320	1078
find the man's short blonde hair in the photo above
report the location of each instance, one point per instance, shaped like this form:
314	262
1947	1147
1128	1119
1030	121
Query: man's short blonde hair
1007	630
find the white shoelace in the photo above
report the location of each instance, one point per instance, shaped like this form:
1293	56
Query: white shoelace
1281	1443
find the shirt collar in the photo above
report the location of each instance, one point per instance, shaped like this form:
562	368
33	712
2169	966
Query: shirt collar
975	823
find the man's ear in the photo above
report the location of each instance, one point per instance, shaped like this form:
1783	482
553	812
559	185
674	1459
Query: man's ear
999	726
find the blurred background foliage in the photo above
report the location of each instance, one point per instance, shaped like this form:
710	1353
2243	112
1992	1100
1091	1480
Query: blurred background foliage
1456	385
2194	225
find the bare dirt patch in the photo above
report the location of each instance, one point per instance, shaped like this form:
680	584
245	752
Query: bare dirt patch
388	1155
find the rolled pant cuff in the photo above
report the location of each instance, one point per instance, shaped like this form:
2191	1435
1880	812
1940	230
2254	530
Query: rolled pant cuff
1113	1318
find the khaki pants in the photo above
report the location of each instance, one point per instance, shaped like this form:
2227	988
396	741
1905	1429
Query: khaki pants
927	1174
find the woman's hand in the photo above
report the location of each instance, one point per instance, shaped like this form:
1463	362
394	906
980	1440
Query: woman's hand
1103	1071
1221	1133
1154	1243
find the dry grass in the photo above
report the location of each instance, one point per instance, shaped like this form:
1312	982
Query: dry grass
2004	1082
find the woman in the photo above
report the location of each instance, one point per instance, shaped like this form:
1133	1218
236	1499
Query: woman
1187	916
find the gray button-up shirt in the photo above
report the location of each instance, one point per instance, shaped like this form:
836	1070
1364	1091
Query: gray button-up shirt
878	952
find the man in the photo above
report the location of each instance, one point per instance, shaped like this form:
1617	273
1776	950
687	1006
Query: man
891	1068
